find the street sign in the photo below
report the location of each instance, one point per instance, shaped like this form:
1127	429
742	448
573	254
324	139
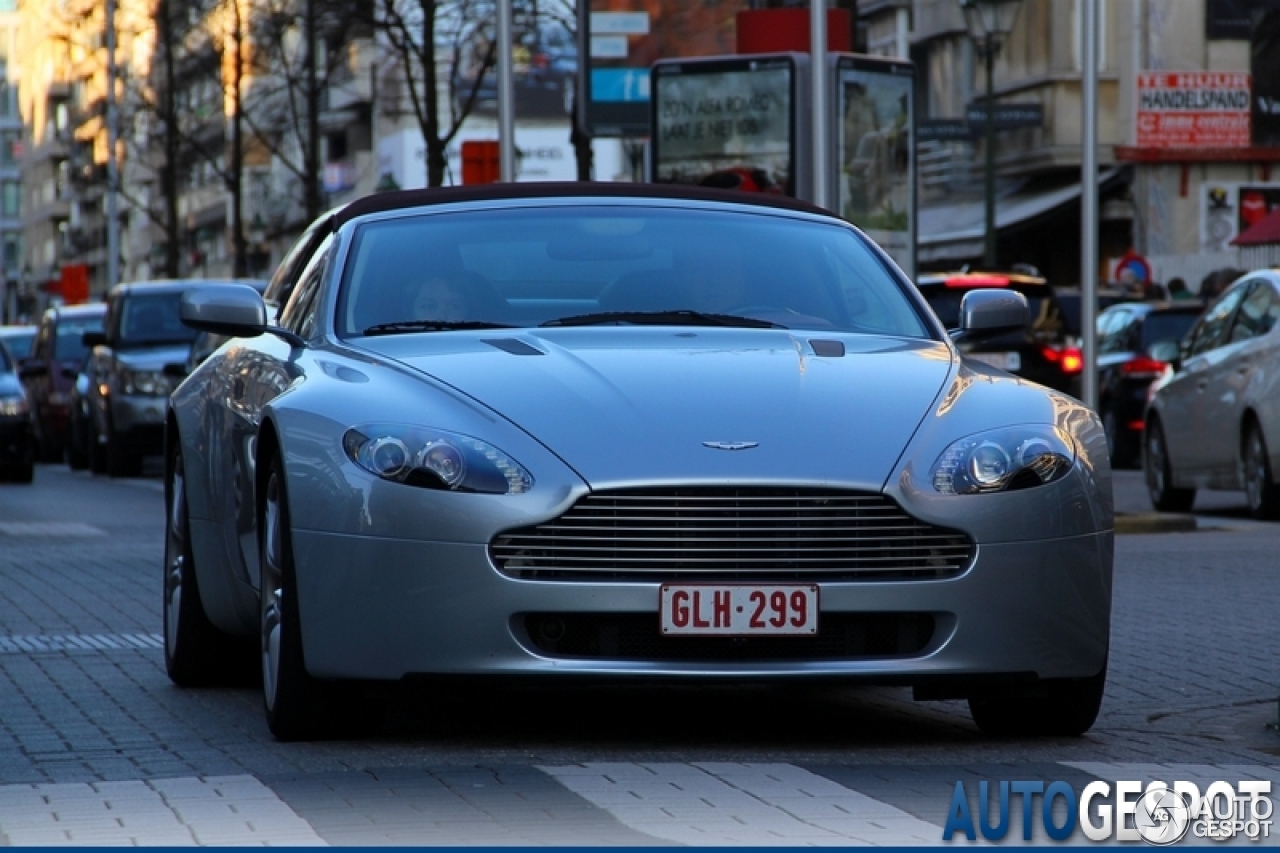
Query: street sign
1008	116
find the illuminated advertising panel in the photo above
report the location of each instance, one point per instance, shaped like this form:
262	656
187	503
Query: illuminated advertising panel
622	38
875	152
725	123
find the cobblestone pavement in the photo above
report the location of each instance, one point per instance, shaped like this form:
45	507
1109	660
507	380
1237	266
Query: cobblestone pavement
98	747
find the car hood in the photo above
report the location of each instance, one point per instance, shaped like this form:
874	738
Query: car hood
626	406
152	358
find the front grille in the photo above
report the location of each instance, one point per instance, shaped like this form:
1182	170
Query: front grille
636	636
720	534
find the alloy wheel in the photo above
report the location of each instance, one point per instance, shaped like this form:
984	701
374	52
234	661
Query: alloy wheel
272	591
175	555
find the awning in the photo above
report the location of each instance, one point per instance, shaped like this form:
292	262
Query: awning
958	231
1263	232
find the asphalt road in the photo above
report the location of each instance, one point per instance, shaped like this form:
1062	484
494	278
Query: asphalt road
97	746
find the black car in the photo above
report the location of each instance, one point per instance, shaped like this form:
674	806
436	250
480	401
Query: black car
1046	351
17	447
48	375
1126	333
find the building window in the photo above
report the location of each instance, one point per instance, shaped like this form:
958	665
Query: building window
10	199
12	251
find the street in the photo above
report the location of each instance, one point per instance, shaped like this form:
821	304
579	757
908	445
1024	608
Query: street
98	747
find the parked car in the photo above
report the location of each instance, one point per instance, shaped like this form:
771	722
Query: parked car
1127	332
1045	351
1214	419
49	373
137	359
17	447
18	339
80	421
550	456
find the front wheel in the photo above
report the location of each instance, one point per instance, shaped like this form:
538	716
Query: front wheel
1069	708
1165	497
292	697
1261	491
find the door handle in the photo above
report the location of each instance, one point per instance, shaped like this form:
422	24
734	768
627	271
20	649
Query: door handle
1202	384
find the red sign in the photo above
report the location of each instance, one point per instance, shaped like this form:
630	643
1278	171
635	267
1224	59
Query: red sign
1193	109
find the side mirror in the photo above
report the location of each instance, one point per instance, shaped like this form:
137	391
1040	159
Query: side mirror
30	368
94	339
235	310
1170	352
987	313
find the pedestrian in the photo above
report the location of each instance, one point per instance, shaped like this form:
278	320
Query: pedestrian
1178	289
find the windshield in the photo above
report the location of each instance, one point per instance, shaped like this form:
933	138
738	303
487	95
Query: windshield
6	366
69	346
19	341
152	318
610	265
1166	326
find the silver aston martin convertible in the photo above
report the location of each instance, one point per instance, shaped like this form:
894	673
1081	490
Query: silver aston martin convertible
607	432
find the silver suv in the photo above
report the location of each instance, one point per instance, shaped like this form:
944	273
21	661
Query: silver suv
137	359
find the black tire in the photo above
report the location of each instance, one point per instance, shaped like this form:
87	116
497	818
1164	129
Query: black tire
49	452
76	455
23	471
294	701
196	653
1165	497
1255	465
1068	708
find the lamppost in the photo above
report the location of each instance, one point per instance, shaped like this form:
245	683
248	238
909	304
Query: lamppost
989	21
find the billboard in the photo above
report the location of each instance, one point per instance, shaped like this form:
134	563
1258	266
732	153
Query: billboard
622	38
1193	109
728	124
875	152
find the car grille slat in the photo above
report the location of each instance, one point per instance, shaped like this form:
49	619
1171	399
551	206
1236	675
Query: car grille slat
722	533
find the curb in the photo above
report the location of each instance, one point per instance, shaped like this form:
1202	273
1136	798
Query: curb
1154	522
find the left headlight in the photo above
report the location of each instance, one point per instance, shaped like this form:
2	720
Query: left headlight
1003	460
11	407
435	459
147	383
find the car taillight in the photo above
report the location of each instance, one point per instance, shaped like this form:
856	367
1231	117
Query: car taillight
541	60
1070	359
1143	367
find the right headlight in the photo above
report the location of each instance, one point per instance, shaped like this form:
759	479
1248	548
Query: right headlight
1003	460
435	459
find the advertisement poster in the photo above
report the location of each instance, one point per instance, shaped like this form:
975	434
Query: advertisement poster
1229	209
729	128
625	37
876	181
1193	109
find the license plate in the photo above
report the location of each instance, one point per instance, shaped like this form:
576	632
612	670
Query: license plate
739	609
1010	361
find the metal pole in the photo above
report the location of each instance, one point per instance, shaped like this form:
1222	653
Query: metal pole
1089	204
989	248
113	167
506	97
818	63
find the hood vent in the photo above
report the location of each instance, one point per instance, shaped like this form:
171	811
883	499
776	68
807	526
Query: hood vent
513	346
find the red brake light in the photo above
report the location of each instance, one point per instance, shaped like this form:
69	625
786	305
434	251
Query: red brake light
1070	359
977	280
540	60
1143	366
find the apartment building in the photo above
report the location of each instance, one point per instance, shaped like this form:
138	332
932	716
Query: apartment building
10	151
1164	194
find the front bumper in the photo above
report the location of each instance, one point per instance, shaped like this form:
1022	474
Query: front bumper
380	608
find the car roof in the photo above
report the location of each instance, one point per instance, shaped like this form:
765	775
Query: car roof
402	199
979	278
1185	306
174	285
80	309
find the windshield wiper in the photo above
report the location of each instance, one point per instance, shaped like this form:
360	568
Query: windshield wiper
662	318
431	326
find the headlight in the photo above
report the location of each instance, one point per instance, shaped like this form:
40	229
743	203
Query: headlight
1003	460
147	383
436	459
13	406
